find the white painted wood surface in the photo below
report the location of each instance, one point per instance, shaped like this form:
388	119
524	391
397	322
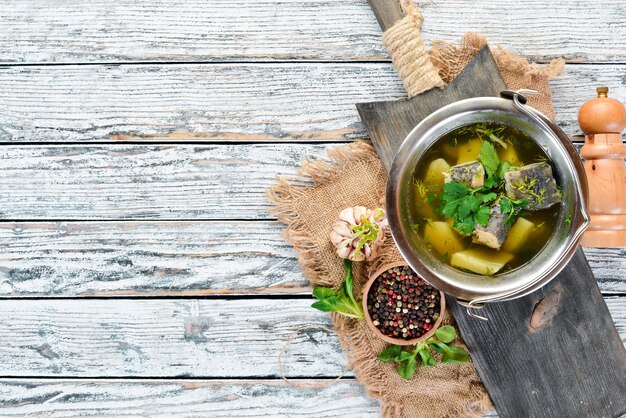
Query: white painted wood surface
144	182
218	30
174	338
183	227
278	102
65	259
23	398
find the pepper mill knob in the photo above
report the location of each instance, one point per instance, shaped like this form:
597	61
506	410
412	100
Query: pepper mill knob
602	114
602	120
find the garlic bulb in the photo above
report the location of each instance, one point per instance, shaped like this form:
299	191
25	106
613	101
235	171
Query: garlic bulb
359	233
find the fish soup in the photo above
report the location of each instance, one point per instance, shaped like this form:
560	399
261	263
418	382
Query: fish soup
485	198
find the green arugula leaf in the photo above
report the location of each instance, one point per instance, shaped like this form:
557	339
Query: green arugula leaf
406	359
489	158
452	354
343	300
406	369
391	353
446	333
326	305
323	292
427	359
406	355
347	267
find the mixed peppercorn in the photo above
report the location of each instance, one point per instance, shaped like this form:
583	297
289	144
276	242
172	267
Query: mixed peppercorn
402	305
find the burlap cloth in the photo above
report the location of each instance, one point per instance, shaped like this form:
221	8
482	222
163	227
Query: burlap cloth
310	203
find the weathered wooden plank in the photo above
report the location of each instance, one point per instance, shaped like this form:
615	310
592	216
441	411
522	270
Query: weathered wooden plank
61	259
224	102
144	182
92	31
189	398
164	338
149	259
173	338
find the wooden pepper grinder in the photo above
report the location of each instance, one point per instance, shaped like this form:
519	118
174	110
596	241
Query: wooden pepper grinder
602	120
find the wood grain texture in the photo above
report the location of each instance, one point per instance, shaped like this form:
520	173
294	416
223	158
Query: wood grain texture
57	398
165	338
225	101
562	356
144	182
218	30
173	338
75	259
182	398
150	259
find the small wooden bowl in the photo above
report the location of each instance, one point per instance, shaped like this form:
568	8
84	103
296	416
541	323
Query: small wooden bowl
368	319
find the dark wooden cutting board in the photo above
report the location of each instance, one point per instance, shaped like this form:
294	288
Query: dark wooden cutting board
554	353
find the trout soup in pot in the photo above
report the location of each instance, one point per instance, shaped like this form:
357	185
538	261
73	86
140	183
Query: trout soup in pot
484	198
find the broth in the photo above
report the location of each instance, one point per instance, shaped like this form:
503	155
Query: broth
511	237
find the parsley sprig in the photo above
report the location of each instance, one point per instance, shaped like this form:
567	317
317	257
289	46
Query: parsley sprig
469	207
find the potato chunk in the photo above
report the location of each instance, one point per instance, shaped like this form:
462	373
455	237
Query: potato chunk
434	174
469	151
510	155
481	261
518	234
442	238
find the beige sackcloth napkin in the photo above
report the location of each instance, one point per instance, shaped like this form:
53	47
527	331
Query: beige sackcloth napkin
310	203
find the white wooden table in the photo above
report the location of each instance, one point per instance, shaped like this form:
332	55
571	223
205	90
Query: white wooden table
140	270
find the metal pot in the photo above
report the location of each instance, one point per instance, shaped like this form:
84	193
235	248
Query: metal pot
470	289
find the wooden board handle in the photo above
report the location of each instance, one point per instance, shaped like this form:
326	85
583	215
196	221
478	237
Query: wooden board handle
387	12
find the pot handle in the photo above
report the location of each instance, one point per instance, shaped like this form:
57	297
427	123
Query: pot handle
471	306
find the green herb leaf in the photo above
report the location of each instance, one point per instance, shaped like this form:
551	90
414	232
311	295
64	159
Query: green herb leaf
489	158
326	305
446	333
347	267
323	293
455	189
511	208
491	182
406	355
390	353
452	354
464	226
483	215
489	197
427	359
343	300
406	369
503	168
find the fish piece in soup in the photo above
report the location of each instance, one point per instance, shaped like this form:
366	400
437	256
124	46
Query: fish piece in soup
534	183
471	174
494	234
